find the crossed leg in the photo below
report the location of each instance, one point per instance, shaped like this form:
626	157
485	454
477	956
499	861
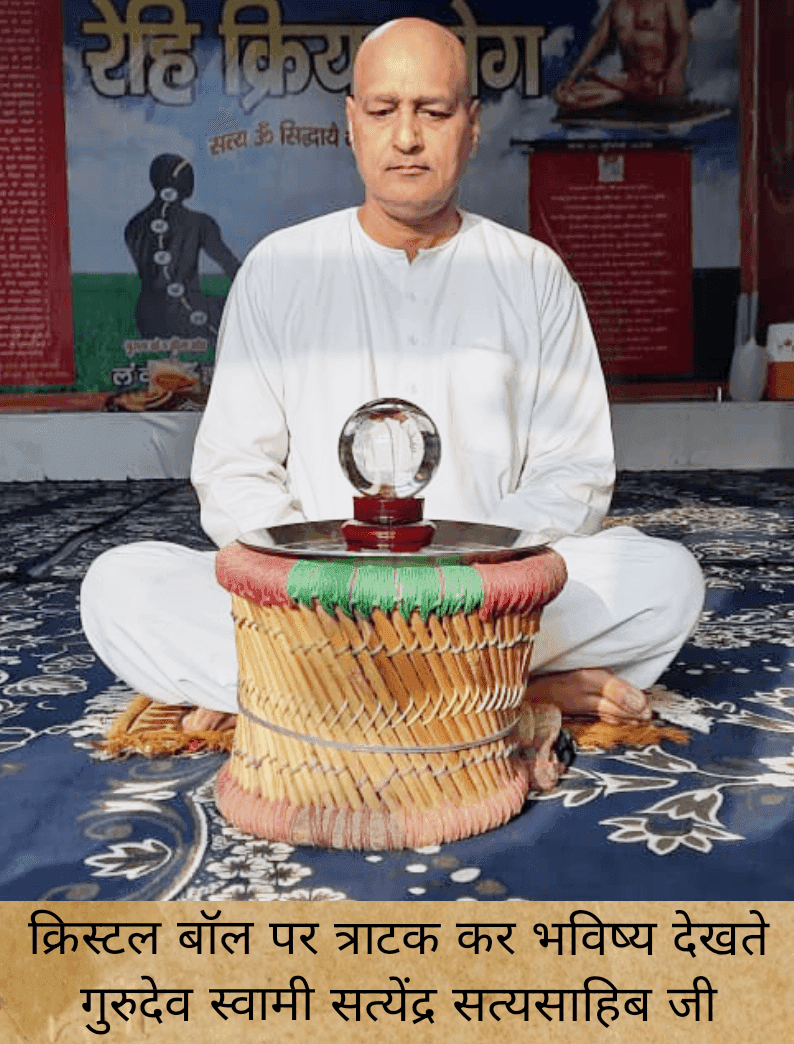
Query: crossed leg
630	603
157	617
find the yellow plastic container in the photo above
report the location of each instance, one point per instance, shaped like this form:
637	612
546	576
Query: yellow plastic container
780	381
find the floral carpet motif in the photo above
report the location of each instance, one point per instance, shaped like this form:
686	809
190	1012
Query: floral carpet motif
713	819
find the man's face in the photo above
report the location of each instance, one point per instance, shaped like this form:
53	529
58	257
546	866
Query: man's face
412	124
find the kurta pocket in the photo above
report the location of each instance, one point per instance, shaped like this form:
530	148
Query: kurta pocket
482	387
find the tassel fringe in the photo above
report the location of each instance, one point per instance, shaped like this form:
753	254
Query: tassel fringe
155	730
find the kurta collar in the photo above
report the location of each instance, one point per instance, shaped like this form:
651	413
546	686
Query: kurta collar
396	257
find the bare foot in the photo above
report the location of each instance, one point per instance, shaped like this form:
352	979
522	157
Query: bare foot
592	692
538	732
201	720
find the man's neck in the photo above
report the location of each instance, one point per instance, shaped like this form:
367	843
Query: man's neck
409	235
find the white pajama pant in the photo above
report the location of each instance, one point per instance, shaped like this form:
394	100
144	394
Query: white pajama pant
155	614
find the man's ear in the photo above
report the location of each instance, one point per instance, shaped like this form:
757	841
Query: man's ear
474	119
349	110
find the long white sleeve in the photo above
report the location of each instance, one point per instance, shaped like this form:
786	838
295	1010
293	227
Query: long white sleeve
240	453
568	472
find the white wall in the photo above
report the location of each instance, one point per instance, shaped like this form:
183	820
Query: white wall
667	436
654	436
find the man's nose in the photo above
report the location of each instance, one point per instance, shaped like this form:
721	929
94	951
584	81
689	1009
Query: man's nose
407	133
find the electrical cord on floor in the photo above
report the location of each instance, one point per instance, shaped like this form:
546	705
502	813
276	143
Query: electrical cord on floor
37	568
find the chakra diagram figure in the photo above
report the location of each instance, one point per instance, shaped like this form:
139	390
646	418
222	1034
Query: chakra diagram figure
165	240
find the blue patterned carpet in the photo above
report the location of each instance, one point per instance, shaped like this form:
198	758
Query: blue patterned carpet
712	820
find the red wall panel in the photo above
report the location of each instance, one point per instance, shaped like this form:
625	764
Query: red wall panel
775	160
36	329
621	220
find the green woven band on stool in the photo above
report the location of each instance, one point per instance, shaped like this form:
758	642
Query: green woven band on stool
444	591
492	588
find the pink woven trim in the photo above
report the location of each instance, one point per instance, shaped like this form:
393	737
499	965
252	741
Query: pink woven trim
457	822
521	586
258	577
366	828
518	586
281	820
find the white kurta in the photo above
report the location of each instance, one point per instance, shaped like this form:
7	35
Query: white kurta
487	333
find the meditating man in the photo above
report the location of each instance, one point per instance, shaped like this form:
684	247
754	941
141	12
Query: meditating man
652	37
479	325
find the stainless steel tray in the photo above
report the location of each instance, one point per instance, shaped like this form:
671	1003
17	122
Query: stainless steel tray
453	542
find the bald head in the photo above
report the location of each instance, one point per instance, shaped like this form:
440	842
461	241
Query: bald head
417	38
413	125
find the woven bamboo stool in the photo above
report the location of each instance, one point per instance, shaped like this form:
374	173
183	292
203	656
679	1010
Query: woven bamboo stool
380	708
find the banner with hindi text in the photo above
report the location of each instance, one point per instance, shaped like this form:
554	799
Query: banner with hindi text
196	127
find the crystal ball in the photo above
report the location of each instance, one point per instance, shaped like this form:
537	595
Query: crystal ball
389	448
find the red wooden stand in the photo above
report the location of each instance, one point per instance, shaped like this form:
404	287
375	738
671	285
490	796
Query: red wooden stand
387	524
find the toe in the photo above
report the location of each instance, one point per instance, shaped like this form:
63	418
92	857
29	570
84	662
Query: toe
202	720
630	702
